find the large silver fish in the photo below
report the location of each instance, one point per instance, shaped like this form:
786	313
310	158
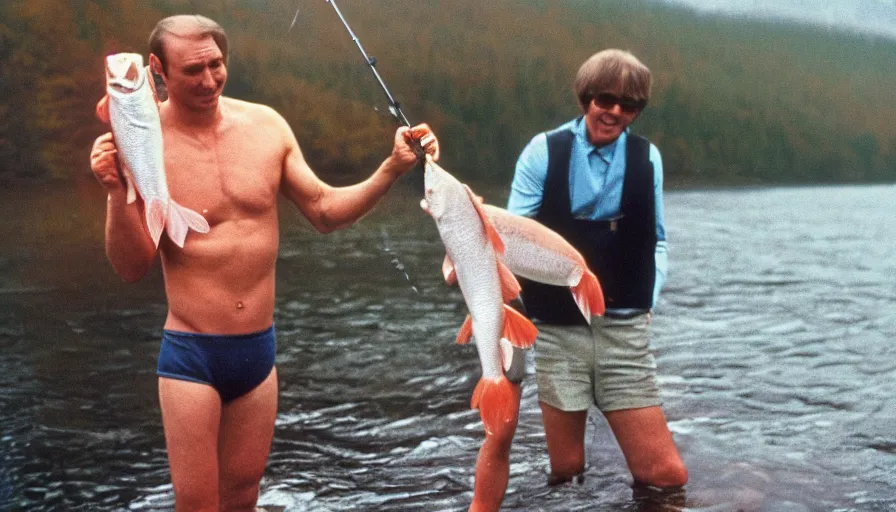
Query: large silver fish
473	249
130	107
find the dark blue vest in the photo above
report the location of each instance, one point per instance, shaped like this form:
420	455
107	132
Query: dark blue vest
621	253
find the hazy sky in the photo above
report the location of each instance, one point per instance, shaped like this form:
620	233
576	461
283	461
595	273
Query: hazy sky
874	16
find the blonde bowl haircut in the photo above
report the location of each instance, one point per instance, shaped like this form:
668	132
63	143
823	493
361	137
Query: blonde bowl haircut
612	70
192	26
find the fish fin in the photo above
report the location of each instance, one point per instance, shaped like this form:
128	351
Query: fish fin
498	401
155	220
510	287
102	109
448	271
490	230
505	348
589	296
129	183
181	220
518	330
466	331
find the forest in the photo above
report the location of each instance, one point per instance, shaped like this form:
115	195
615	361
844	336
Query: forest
735	102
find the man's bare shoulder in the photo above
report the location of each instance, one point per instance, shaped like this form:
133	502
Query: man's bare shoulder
251	113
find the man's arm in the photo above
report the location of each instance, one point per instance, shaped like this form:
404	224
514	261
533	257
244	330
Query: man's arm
331	208
662	247
129	247
527	188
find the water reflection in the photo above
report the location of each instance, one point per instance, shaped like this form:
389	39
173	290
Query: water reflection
774	341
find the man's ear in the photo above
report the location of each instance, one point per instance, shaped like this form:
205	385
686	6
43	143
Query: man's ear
155	65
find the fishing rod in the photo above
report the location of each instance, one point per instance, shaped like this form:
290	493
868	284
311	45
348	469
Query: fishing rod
394	107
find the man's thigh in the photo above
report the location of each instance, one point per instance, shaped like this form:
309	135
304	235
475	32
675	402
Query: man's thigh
645	440
190	415
247	429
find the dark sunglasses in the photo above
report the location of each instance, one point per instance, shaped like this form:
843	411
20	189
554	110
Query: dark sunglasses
606	101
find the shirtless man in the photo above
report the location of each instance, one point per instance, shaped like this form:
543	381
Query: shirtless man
227	159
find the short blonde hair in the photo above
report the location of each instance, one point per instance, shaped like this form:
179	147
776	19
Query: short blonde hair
185	25
613	70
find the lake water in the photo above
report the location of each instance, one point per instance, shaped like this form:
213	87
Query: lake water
774	339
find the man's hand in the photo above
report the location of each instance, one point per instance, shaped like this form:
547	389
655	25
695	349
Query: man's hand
104	162
403	154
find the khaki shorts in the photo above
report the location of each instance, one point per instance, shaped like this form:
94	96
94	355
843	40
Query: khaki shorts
608	364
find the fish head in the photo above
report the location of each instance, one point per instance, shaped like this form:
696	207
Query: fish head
439	189
125	72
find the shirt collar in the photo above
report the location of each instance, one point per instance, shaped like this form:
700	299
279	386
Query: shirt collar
606	152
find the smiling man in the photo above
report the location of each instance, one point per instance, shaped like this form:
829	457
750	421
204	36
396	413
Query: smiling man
229	160
600	187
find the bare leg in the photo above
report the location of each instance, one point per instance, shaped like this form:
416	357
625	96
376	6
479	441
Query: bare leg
493	464
247	429
565	435
191	413
648	447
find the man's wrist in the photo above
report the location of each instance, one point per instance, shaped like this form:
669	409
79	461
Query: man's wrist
393	168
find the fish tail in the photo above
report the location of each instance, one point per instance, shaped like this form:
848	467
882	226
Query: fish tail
155	219
498	401
518	330
589	296
181	220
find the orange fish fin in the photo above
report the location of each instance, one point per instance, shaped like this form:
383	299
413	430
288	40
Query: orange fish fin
510	287
102	109
448	271
155	220
498	401
490	230
518	329
181	220
589	296
466	331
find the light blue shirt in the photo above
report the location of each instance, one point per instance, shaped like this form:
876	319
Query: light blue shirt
595	184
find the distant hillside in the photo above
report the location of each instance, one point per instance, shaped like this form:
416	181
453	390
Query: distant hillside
734	102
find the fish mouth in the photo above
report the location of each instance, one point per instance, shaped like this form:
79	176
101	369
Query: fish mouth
123	72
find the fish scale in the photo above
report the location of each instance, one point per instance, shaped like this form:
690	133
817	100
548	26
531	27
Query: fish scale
138	135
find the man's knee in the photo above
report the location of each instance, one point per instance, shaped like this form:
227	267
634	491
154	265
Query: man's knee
669	474
497	444
197	500
239	495
566	468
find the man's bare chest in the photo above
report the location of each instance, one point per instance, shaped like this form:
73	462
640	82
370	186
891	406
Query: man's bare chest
225	177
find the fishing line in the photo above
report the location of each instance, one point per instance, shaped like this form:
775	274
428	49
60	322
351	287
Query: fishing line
294	18
395	261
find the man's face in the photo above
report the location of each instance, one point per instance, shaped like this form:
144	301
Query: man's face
608	115
196	72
